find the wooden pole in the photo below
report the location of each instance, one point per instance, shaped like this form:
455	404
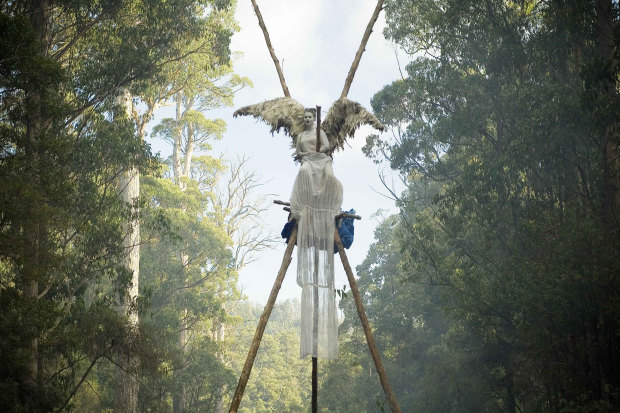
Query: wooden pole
358	55
315	327
315	293
318	128
261	23
315	371
372	345
262	323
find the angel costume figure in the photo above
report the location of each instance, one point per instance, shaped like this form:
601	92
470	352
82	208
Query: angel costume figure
315	201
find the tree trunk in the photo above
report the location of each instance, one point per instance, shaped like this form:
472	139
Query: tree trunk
179	397
217	333
176	145
189	149
127	386
32	232
33	228
179	401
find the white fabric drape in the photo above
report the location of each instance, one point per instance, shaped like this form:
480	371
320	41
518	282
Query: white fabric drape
315	200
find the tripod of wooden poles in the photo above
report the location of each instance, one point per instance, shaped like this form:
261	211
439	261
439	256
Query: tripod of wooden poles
260	329
262	323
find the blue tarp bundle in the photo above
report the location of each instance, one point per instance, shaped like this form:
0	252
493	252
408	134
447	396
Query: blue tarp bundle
286	231
345	230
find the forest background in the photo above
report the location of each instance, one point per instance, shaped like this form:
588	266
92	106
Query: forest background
493	288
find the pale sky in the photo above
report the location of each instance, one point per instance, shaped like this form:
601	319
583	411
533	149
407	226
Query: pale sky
315	42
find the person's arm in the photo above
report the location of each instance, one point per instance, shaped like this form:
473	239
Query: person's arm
298	152
324	142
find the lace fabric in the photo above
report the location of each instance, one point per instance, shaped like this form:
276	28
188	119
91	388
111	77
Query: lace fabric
315	201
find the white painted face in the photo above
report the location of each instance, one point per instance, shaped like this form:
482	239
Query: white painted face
308	118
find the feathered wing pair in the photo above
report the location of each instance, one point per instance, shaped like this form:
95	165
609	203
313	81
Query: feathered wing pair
342	120
315	200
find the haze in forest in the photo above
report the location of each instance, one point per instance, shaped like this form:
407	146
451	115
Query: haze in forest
134	282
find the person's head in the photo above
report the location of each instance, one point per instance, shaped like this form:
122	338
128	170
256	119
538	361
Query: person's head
309	115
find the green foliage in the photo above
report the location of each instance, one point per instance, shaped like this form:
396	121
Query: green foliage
187	277
62	146
501	241
280	380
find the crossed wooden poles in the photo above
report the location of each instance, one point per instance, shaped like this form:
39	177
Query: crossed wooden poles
262	323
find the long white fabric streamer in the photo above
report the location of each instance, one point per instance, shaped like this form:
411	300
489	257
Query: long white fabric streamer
315	201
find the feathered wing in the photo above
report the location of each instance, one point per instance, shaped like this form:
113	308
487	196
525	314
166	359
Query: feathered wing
342	120
279	113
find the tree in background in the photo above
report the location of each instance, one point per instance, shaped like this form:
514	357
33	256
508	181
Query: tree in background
63	64
202	60
202	76
280	380
190	276
507	110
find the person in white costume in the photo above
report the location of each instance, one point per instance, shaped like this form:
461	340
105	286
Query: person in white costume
315	201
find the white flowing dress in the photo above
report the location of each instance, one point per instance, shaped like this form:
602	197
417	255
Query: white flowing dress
315	201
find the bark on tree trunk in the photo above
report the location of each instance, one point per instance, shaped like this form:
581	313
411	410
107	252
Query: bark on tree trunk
176	146
33	237
218	332
127	387
179	397
610	208
126	392
189	149
31	292
610	153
